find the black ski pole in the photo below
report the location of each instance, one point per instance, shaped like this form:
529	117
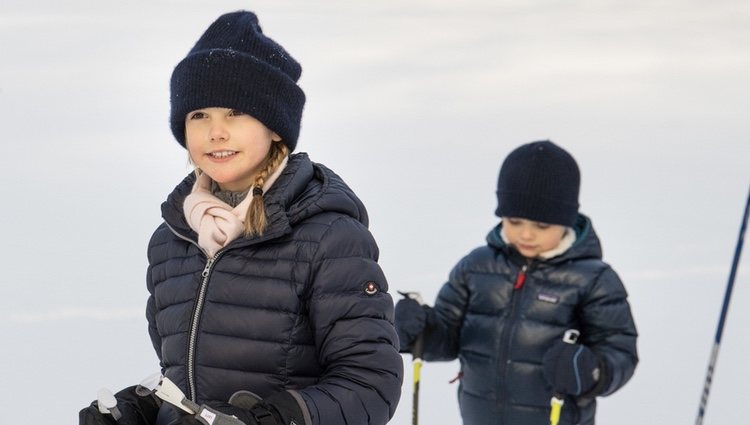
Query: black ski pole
723	316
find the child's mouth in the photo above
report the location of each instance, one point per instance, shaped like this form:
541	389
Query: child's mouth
222	154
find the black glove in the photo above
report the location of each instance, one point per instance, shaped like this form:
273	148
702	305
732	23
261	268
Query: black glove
135	410
411	319
571	369
279	409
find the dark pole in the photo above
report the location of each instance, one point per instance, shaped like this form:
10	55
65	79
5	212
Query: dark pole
417	351
722	318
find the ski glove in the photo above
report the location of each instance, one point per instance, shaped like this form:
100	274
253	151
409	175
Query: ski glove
279	409
571	369
135	410
411	319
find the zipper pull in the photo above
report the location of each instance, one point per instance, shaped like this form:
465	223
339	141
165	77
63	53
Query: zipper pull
521	278
207	268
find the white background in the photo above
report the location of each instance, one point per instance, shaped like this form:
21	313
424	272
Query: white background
415	104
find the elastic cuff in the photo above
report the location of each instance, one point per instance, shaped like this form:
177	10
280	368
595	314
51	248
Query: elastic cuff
289	408
605	379
303	407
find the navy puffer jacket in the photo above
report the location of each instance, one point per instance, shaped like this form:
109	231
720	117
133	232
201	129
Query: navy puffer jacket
303	308
500	334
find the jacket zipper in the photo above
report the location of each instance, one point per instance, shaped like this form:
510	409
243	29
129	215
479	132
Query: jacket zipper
194	328
521	278
505	348
193	332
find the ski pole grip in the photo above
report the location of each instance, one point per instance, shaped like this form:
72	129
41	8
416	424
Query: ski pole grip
416	296
107	404
417	348
558	400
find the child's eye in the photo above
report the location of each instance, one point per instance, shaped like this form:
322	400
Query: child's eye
542	225
513	221
234	113
196	115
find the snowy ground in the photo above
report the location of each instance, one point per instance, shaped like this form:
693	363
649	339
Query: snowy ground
415	103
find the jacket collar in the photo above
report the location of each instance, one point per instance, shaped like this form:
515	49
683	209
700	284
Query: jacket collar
303	189
586	244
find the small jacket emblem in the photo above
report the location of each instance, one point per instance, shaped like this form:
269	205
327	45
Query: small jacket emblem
371	288
548	298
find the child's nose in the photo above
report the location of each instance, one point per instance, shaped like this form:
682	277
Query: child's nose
527	233
218	132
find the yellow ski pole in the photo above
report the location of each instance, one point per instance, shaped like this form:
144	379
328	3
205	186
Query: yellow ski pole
557	401
416	362
417	350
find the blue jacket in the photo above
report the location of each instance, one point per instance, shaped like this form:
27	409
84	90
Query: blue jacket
500	334
303	308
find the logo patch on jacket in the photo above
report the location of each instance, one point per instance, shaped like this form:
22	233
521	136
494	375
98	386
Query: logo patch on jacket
371	288
548	298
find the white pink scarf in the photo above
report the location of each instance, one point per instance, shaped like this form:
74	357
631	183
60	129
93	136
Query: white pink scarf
217	223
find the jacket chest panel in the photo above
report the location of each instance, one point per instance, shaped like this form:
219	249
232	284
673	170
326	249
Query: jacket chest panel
543	297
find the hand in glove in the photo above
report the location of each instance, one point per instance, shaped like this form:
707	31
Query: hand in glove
279	409
411	319
571	369
135	410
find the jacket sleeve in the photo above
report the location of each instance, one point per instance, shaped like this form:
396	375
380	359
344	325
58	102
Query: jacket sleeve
609	330
151	303
351	315
444	320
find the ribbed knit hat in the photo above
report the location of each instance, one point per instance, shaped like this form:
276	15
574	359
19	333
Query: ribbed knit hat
539	181
234	65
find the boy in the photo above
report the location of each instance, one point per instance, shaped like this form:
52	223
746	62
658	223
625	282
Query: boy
507	305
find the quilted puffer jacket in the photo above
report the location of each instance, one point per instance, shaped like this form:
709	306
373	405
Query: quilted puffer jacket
500	334
303	308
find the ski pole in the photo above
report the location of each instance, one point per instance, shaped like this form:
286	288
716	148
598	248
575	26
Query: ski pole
165	389
557	401
723	316
417	351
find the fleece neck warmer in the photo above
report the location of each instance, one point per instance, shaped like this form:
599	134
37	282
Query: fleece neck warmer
215	221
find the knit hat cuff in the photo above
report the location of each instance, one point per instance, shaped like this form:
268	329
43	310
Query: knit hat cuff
218	78
545	210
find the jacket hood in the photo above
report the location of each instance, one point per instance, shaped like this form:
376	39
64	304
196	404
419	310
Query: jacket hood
303	189
586	245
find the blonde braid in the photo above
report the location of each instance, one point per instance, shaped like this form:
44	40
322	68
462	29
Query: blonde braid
255	219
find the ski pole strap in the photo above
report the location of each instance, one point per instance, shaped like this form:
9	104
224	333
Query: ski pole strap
263	415
210	416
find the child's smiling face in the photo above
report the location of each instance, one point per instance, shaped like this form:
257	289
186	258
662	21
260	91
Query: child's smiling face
228	145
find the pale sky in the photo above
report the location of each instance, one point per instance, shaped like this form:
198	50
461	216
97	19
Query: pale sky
415	104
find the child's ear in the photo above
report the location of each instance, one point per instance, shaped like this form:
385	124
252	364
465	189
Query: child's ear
275	137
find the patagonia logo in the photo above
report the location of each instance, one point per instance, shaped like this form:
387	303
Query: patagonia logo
548	298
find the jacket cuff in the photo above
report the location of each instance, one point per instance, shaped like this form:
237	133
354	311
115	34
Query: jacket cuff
605	379
291	408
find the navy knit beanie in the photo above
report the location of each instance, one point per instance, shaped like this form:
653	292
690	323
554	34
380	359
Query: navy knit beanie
234	65
539	181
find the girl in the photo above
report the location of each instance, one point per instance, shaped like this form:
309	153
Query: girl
508	305
263	276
